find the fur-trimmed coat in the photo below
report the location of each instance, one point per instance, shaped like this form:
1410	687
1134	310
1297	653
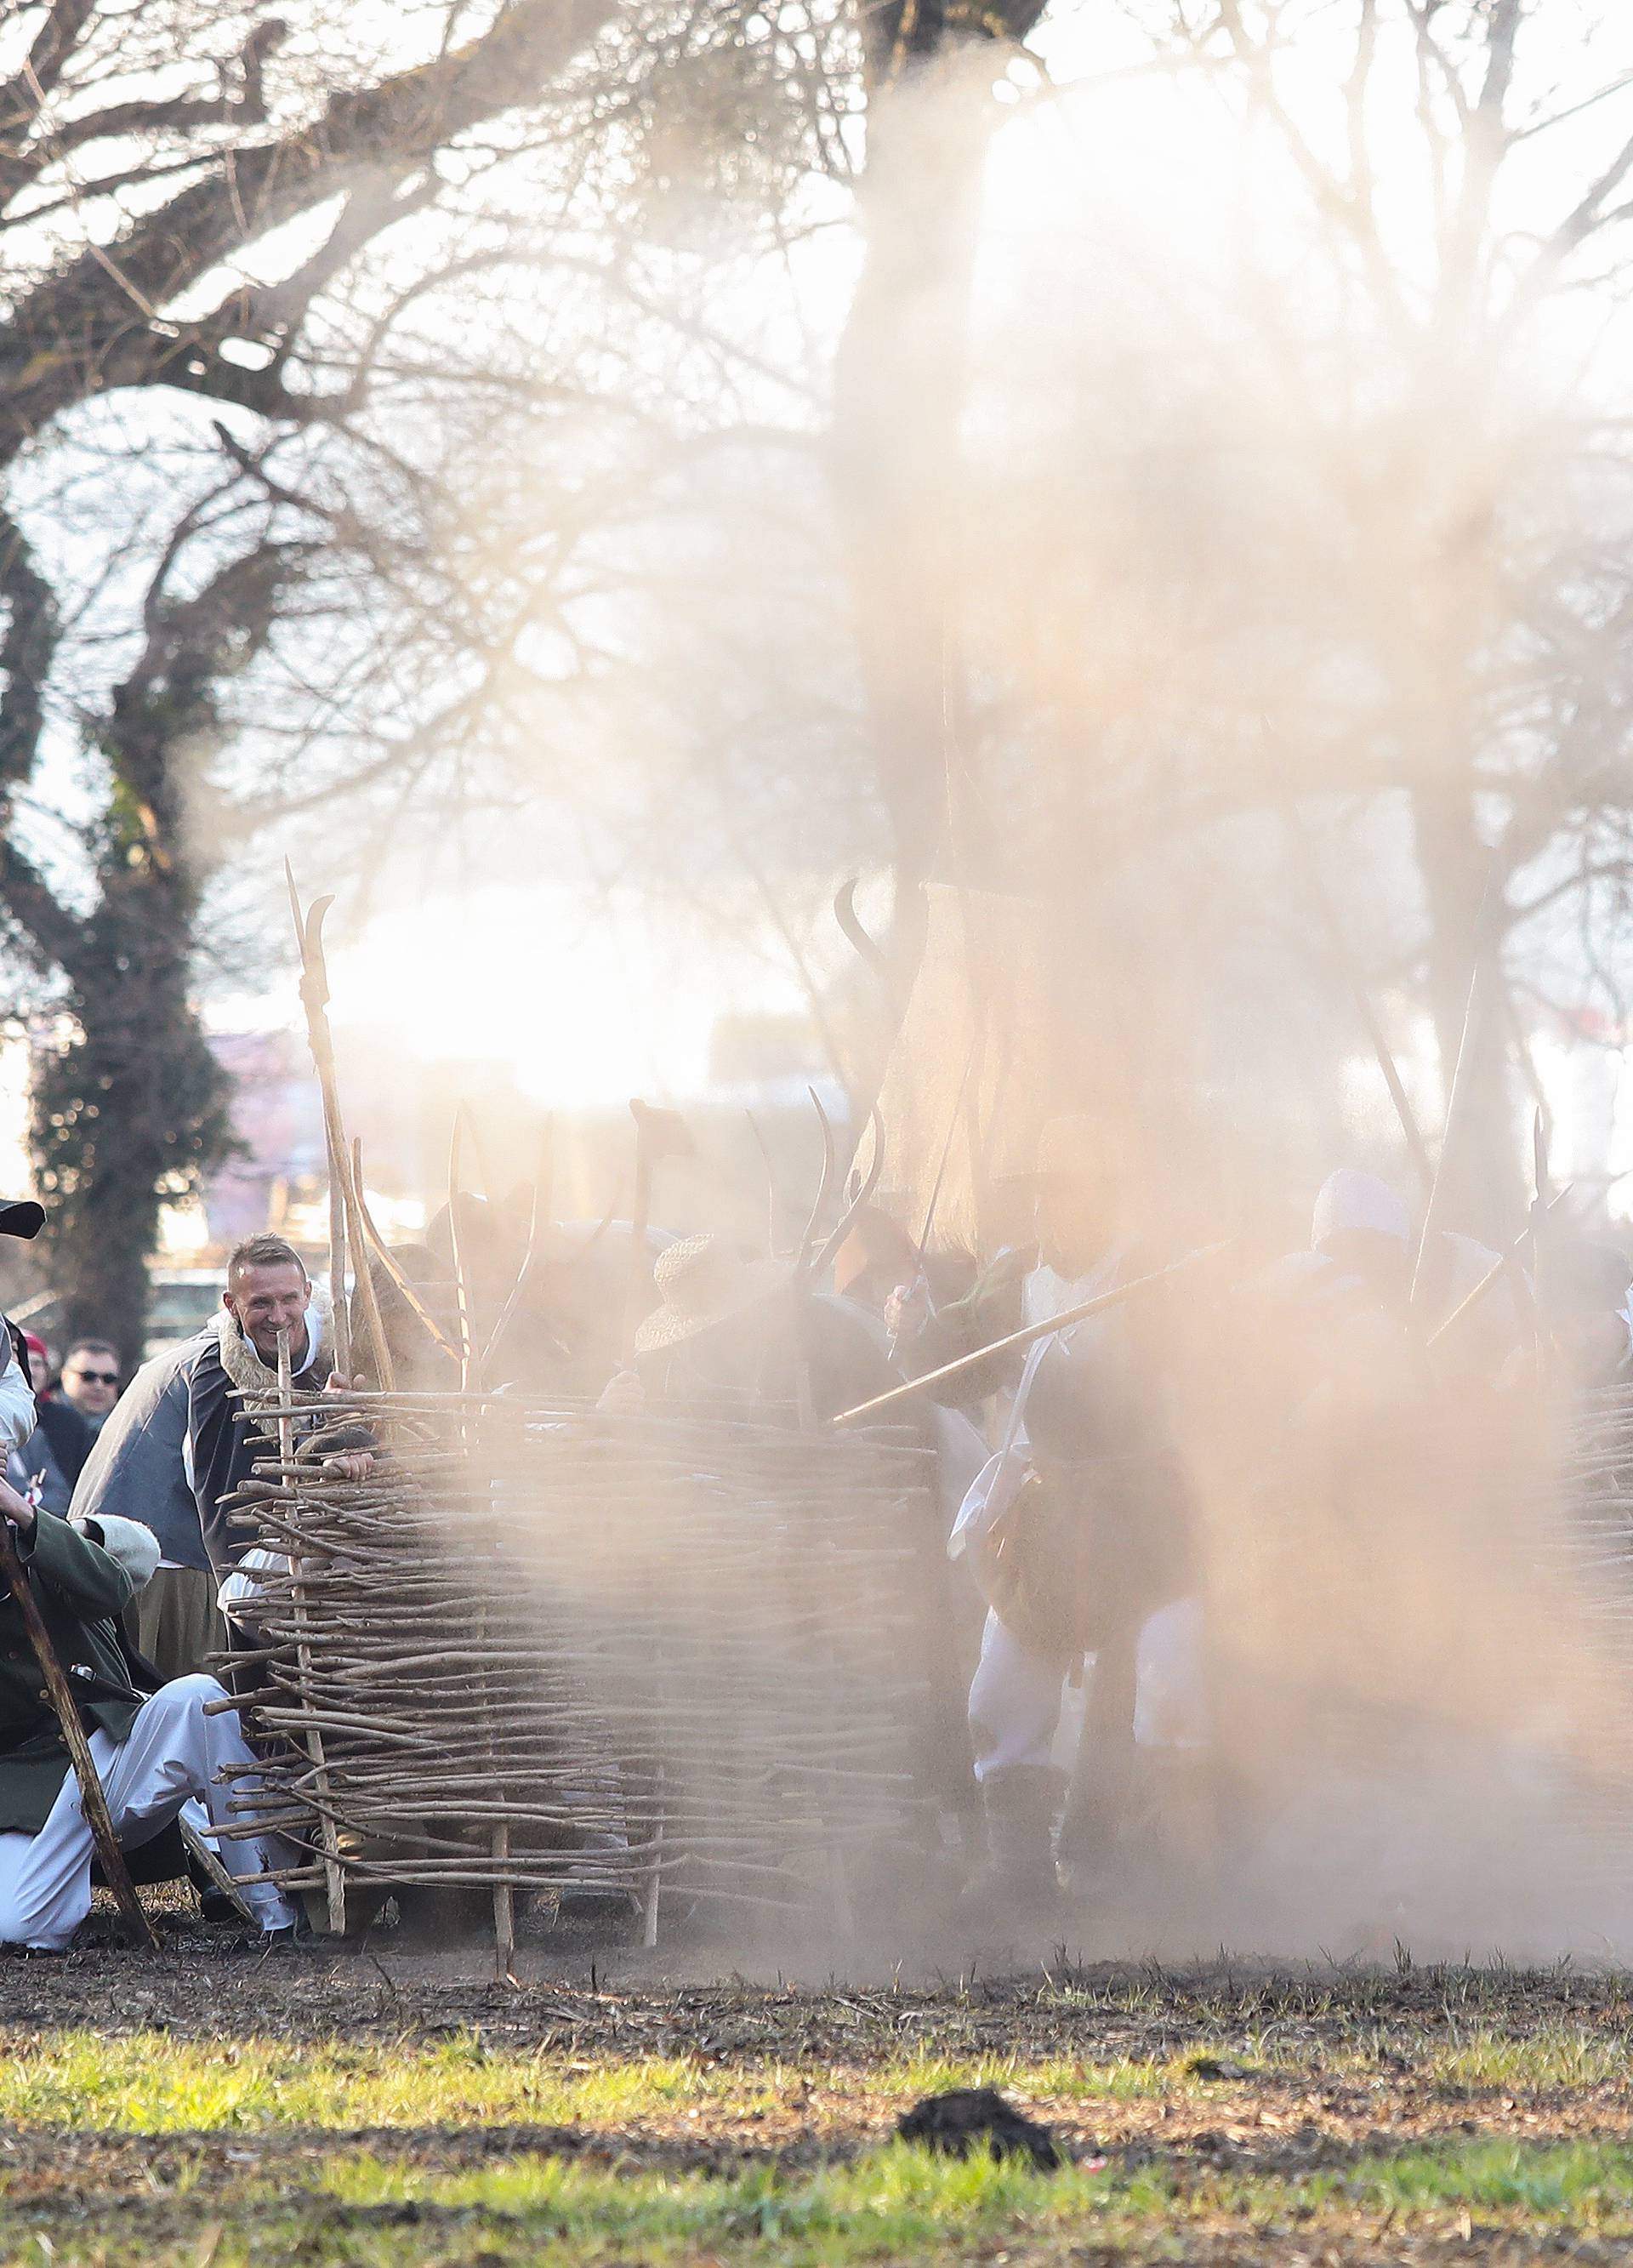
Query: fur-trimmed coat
221	1444
146	1464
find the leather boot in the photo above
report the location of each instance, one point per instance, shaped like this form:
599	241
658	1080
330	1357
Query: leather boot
1018	1887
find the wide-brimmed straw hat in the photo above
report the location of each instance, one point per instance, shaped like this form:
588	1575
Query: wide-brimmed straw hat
701	1282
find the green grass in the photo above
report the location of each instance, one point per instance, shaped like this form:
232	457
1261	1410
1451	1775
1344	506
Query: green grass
322	2201
150	2083
895	2201
147	2083
895	2205
899	2197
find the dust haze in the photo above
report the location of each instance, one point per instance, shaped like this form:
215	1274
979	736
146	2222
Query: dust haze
1240	528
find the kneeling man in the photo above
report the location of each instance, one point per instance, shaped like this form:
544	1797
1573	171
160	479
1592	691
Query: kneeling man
153	1752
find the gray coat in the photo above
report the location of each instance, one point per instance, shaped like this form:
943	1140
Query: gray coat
137	1469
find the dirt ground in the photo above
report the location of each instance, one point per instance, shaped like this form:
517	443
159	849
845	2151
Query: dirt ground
1223	2083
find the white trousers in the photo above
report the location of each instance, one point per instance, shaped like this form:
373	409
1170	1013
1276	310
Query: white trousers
1015	1701
1018	1697
171	1753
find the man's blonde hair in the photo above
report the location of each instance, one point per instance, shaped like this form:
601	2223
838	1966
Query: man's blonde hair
264	1250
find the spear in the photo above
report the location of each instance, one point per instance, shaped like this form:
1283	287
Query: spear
92	1801
1063	1322
1501	1266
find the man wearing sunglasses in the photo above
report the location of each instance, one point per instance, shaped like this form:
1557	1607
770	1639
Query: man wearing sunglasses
91	1379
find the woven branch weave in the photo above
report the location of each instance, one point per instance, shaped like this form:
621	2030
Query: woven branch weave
552	1646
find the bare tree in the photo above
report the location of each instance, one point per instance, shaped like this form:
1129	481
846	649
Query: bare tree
1333	485
257	263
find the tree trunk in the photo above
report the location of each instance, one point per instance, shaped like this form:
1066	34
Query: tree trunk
1481	1192
899	388
131	1111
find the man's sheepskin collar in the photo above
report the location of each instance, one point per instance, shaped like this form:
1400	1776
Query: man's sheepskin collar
245	1367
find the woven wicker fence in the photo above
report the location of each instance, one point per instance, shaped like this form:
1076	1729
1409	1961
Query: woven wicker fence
546	1646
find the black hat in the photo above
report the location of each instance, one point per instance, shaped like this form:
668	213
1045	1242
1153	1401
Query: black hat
21	1218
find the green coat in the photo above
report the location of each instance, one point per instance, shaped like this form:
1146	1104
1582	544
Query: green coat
79	1590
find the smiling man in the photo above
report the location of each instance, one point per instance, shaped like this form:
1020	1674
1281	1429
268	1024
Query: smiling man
172	1451
269	1291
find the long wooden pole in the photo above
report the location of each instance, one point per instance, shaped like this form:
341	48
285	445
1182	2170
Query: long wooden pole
639	1218
539	1217
965	1363
94	1802
393	1269
499	1833
314	997
385	1370
1503	1265
333	1873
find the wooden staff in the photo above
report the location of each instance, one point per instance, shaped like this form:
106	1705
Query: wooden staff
1503	1265
658	1134
456	1251
539	1217
499	1833
916	1276
385	1370
94	1802
314	997
333	1875
965	1363
393	1268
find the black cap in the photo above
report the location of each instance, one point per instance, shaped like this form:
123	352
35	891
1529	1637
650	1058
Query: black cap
23	1216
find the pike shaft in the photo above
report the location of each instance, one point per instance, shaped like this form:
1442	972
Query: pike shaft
1025	1337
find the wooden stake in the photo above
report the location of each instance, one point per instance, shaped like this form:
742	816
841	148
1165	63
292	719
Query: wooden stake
461	1288
333	1875
655	1879
314	995
504	1909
